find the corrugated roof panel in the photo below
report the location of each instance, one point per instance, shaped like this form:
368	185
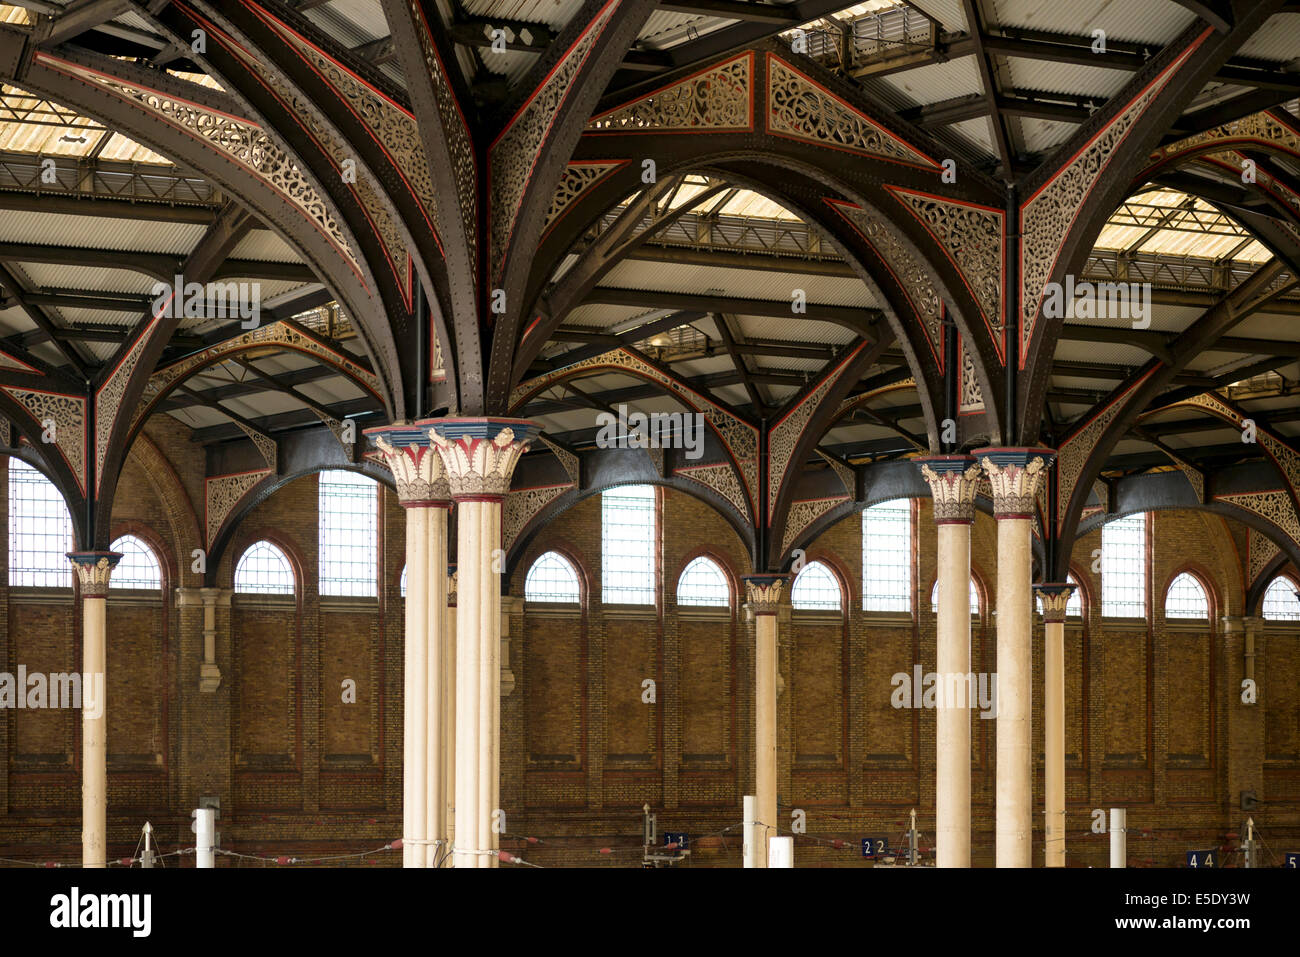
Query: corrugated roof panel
667	28
1279	39
1103	353
739	283
974	132
948	12
264	245
1041	136
1046	76
927	84
98	278
57	229
1132	21
14	320
802	330
554	13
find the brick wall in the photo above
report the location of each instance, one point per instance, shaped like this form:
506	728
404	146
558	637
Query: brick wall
1154	719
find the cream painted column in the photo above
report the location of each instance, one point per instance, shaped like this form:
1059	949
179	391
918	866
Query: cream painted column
1055	598
449	711
953	480
1014	474
423	492
480	455
763	594
435	793
93	572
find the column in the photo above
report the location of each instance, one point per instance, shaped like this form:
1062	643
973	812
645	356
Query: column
449	711
1014	474
1054	597
480	455
209	673
422	491
763	594
953	480
93	572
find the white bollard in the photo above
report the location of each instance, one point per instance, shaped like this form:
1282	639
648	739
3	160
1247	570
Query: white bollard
205	829
1118	837
750	853
780	852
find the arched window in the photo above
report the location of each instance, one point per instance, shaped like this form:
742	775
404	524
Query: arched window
1280	600
887	557
974	598
627	545
702	583
1186	598
348	509
264	569
138	567
552	579
816	589
1124	567
40	530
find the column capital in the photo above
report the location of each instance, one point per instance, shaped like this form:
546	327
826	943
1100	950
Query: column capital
93	571
1241	623
451	586
418	470
1014	474
480	454
763	592
1055	596
953	480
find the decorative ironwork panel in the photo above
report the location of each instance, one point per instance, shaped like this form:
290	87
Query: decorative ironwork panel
1275	506
579	176
970	396
240	140
277	333
912	278
513	157
973	237
522	506
394	127
1047	217
784	436
571	463
221	493
715	100
1260	550
799	108
108	399
455	129
63	417
1075	450
720	479
848	478
803	513
378	208
740	438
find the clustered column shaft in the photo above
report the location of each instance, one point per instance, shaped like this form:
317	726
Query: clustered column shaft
93	572
1014	474
953	481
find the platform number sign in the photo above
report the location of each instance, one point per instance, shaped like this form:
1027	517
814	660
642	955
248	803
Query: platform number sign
1199	859
875	846
683	841
1292	860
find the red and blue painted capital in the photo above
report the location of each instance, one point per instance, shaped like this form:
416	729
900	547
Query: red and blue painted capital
480	454
763	592
1015	475
418	470
953	481
1055	597
93	571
